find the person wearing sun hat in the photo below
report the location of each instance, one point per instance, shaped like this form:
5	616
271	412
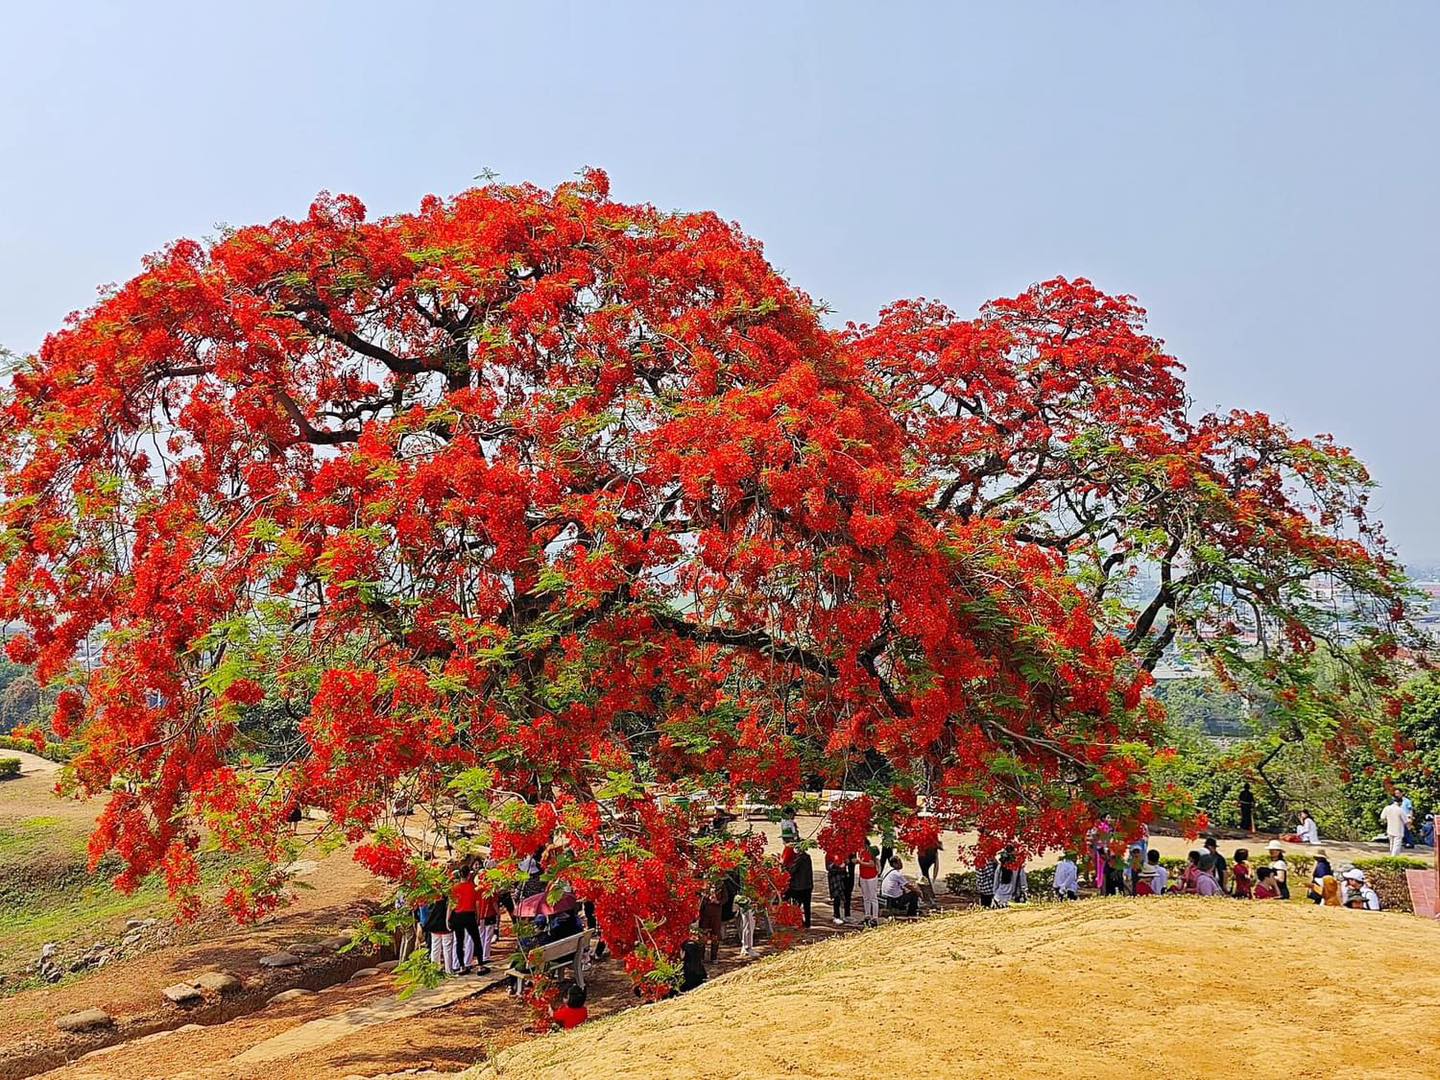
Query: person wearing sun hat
1317	879
1280	868
1357	892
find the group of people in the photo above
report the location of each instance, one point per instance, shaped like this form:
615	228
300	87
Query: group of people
1209	873
875	868
1398	818
459	927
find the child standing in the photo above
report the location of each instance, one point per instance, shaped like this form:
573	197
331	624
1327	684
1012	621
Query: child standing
442	939
711	906
745	912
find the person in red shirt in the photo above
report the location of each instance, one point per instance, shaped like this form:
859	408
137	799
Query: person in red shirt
1243	883
487	914
870	884
469	950
573	1013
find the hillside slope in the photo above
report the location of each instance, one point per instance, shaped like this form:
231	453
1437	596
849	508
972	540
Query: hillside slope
1173	987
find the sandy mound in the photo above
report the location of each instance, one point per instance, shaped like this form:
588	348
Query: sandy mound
1176	987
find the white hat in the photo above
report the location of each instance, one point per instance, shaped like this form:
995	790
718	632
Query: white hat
1353	874
1274	846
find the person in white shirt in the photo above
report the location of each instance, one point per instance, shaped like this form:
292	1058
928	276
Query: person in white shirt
1308	830
1355	891
1011	884
1393	818
1067	878
897	890
1281	869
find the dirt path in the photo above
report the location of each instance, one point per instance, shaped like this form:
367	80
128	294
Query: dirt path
327	1035
32	763
316	1035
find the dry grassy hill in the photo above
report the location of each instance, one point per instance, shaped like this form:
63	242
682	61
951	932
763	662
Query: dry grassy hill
1173	987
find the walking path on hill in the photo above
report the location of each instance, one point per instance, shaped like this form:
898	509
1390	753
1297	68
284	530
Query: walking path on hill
315	1034
31	763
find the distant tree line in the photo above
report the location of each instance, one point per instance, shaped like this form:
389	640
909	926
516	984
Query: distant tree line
21	699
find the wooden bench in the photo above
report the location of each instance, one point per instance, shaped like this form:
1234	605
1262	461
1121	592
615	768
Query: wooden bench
555	956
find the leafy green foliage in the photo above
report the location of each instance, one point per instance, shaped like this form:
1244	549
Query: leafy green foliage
1415	771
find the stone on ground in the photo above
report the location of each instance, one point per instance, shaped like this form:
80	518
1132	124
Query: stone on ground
85	1020
217	982
183	994
279	960
290	995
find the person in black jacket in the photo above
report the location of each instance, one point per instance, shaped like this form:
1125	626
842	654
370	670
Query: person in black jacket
692	970
442	938
1247	808
802	881
1316	893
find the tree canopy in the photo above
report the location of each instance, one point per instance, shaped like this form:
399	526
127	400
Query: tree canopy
552	509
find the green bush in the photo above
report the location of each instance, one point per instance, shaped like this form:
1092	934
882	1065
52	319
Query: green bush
9	766
1041	883
60	752
805	802
1394	862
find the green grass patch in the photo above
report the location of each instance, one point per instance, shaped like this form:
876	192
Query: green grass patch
47	892
54	915
41	839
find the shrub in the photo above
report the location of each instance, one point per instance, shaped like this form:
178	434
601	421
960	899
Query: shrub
61	752
9	767
1393	862
1041	883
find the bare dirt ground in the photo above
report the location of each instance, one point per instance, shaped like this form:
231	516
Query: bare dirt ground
460	1033
341	894
447	1039
1173	987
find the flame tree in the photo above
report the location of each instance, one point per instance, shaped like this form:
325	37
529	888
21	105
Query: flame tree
545	509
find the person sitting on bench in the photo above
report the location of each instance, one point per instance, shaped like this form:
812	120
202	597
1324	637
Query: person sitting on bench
897	891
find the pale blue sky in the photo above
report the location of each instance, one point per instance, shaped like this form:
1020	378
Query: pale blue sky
1263	176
